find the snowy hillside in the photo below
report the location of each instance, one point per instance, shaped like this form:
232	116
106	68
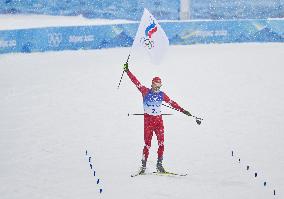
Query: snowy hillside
55	106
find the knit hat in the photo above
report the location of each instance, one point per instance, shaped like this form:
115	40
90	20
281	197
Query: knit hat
157	80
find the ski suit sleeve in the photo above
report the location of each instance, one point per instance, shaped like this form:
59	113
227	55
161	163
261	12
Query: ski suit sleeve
172	103
136	82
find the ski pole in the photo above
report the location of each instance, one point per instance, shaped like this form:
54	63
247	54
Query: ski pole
143	114
197	119
122	73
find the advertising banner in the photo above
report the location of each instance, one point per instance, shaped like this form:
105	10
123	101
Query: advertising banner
122	35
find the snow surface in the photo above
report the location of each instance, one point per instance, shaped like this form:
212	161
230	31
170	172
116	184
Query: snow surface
12	22
56	105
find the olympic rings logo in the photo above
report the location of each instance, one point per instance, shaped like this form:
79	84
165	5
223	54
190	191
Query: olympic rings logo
147	43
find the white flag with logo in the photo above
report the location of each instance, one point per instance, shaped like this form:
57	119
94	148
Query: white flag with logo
151	38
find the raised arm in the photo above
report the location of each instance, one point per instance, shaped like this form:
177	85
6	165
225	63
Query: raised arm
136	82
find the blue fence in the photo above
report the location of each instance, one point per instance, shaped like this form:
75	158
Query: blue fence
119	9
161	9
237	9
121	35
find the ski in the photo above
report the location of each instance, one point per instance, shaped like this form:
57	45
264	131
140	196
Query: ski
161	174
137	174
167	173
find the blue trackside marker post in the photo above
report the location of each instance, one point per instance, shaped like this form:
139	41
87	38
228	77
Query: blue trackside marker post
94	171
254	173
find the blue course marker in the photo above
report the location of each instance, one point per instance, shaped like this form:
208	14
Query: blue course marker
98	181
101	190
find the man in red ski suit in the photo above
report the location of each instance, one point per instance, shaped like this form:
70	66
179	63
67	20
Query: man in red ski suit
153	121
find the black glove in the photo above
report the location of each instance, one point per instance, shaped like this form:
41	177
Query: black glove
125	67
187	113
198	121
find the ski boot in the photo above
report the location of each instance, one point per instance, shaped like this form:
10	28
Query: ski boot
143	167
160	168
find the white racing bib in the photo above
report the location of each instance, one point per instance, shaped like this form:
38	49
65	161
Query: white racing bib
152	103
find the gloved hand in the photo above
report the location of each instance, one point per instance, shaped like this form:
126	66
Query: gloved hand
198	121
125	67
187	113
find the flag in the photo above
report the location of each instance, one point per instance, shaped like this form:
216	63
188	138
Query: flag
151	38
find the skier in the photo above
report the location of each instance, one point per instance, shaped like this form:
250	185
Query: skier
153	121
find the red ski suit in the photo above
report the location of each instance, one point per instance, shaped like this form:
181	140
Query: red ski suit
153	121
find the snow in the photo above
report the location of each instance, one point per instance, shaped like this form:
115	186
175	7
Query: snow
19	21
56	105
